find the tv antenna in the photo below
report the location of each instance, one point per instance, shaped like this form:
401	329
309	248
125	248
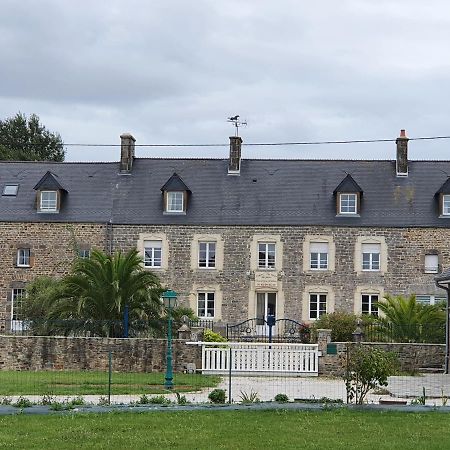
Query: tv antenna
237	123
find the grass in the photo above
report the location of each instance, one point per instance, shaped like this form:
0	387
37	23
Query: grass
84	382
338	429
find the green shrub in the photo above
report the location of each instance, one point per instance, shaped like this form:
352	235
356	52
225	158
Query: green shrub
181	399
366	369
249	398
158	400
103	401
23	402
6	401
282	398
217	396
211	336
77	401
342	325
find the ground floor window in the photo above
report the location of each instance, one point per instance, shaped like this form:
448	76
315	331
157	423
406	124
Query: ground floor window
369	304
430	299
17	297
317	305
206	305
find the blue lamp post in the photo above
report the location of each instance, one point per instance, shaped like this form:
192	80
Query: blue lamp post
170	301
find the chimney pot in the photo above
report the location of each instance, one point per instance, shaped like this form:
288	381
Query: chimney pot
126	153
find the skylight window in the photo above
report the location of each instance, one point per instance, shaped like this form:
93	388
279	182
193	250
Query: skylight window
10	190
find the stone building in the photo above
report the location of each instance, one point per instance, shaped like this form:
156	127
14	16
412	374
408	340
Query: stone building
236	238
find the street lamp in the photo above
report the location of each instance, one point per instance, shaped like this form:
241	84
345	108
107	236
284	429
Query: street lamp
170	301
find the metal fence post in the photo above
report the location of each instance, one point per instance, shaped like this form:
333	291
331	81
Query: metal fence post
125	322
109	376
230	361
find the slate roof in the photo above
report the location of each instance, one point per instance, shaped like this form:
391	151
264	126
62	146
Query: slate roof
49	181
267	192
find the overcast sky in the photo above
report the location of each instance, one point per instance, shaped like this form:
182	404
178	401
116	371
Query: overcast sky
172	71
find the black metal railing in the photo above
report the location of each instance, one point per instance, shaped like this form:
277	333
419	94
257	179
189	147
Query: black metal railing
413	333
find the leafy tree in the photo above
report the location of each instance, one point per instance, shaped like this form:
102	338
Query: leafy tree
406	320
94	295
366	369
26	139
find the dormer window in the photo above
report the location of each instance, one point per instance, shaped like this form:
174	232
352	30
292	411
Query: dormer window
348	197
348	204
49	194
175	195
446	205
175	202
10	190
49	201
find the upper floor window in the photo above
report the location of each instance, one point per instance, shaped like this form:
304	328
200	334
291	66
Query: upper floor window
266	255
371	256
318	255
348	204
369	304
431	264
23	257
152	253
207	255
317	305
175	202
49	201
446	205
206	305
430	299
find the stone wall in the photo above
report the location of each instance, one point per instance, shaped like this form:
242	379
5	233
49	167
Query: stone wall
411	357
53	247
73	353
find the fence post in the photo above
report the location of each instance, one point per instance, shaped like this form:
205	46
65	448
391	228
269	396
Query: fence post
125	322
230	360
109	376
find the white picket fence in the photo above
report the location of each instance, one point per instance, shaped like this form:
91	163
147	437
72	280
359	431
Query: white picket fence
260	358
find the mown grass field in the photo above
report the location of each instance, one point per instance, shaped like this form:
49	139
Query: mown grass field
84	382
336	429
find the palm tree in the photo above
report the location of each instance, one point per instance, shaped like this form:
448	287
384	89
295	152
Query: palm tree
405	320
99	288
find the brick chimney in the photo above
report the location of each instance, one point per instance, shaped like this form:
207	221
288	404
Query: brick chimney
234	163
402	155
126	153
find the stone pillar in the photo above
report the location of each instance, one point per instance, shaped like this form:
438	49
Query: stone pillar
323	338
184	332
358	333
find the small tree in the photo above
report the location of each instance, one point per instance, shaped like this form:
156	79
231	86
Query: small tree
366	369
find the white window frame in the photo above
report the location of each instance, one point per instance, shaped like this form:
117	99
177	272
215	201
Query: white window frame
208	296
347	196
23	257
374	262
431	267
373	310
169	196
265	262
321	262
48	205
320	302
426	299
84	253
151	257
210	248
446	204
16	298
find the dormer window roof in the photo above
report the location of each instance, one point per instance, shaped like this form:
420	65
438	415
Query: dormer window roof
175	195
49	194
443	195
348	197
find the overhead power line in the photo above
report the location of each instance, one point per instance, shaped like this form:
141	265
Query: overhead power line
261	144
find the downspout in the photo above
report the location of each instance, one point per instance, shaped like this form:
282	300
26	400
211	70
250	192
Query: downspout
447	331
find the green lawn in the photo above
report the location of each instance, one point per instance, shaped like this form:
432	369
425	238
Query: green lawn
229	430
82	383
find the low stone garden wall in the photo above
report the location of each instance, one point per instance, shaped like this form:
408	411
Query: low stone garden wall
80	353
411	357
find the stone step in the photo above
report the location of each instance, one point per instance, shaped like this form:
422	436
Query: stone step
431	370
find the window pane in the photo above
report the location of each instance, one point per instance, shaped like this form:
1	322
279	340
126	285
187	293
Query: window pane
10	189
152	253
348	203
314	260
48	200
23	257
446	205
431	263
175	201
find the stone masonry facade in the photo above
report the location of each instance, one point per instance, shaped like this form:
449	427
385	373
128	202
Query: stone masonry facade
54	246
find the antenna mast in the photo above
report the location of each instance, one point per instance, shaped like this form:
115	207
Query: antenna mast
237	123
